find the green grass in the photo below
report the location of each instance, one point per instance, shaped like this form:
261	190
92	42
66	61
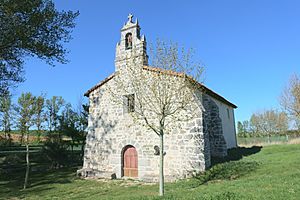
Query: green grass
272	172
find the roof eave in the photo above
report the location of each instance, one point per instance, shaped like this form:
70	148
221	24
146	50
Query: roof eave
87	93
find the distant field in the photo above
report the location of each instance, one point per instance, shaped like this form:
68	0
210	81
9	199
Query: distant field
34	138
31	132
250	141
271	172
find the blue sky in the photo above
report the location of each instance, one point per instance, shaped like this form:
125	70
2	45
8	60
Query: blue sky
249	48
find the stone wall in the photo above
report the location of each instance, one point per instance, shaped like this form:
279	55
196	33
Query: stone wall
111	129
213	127
226	114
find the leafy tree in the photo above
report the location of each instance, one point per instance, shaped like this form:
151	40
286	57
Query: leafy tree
83	113
73	125
243	128
6	113
274	121
39	114
32	28
282	124
56	152
161	94
240	128
26	111
54	105
269	122
246	125
255	123
69	123
290	99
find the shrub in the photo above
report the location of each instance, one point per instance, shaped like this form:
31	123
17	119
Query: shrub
56	152
5	141
11	159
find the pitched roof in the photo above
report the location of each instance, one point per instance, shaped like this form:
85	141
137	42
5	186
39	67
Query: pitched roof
204	89
87	93
201	86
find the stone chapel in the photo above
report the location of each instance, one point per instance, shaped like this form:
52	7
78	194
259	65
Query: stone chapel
115	150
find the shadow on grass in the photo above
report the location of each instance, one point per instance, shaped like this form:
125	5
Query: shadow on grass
41	178
11	185
236	154
230	167
52	177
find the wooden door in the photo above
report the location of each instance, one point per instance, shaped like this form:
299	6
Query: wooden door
130	165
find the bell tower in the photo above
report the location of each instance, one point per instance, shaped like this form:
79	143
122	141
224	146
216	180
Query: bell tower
131	49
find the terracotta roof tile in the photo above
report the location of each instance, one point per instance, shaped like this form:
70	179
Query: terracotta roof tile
201	86
99	85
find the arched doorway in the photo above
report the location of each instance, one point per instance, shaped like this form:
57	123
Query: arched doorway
129	162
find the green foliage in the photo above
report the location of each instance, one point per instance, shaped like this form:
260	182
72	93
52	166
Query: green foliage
39	114
6	114
54	105
69	124
56	152
5	141
73	124
11	159
276	177
240	128
25	110
243	128
69	121
31	28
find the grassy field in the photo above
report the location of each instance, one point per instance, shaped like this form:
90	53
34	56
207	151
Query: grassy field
271	172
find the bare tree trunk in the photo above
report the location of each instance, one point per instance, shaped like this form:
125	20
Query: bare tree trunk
59	137
82	150
72	142
27	161
161	166
38	134
9	139
22	137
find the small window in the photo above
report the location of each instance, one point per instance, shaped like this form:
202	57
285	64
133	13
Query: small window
129	103
128	41
228	113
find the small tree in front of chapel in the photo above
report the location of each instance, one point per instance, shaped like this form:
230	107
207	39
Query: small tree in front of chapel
161	95
26	110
